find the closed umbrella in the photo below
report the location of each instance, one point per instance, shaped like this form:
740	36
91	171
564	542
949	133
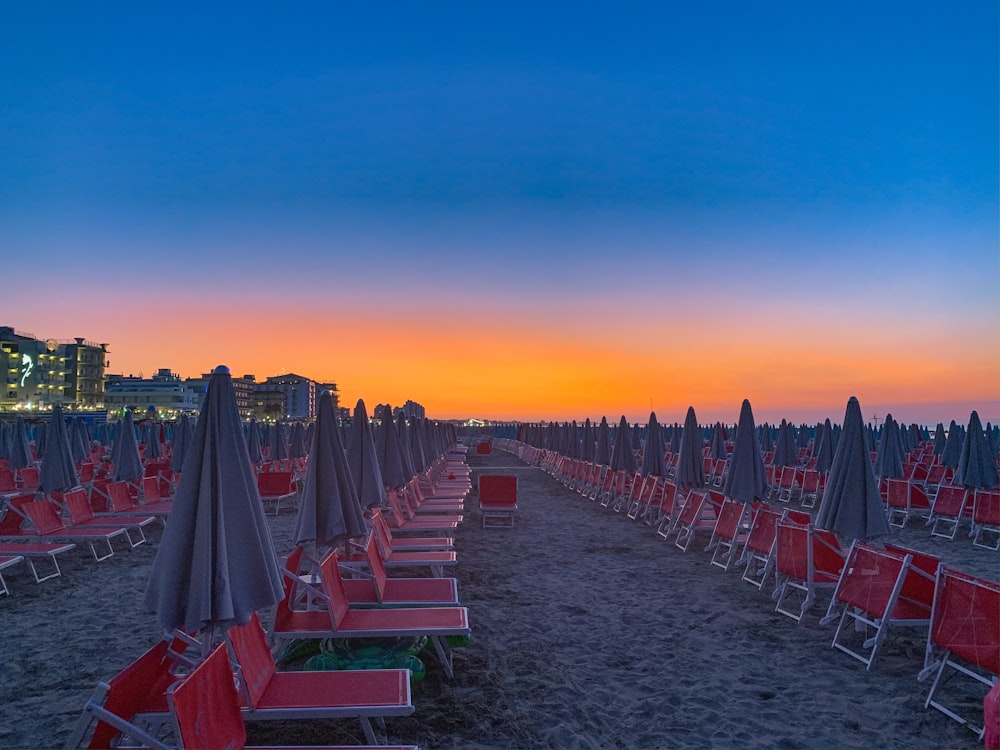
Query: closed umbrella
602	453
389	454
653	451
939	439
690	473
977	463
746	480
253	443
125	452
20	448
889	458
587	449
824	451
363	461
785	453
151	432
182	438
57	472
953	446
852	505
329	511
405	449
718	445
622	457
216	564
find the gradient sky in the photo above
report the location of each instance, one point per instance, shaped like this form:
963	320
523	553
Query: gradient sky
517	211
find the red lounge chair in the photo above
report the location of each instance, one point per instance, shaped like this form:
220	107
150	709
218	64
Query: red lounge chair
986	519
47	525
806	560
812	487
436	559
700	513
948	509
497	500
276	487
422	504
27	478
403	519
759	551
906	499
872	595
671	503
122	503
82	517
339	620
390	542
377	588
964	637
731	531
267	694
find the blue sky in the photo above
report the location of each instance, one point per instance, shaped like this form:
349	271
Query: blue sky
605	147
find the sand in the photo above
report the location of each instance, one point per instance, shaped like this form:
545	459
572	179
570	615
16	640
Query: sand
588	632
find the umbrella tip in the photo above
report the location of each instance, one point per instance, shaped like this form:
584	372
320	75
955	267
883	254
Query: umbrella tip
221	370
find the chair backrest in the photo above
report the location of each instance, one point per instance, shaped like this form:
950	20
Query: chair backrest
139	688
918	497
729	519
256	664
987	510
43	517
950	500
120	497
763	530
794	556
333	585
377	566
668	496
206	706
7	480
13	518
274	483
872	578
78	505
966	618
29	477
692	507
899	493
150	489
495	489
919	584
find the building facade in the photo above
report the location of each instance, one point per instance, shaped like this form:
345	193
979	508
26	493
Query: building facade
299	394
165	393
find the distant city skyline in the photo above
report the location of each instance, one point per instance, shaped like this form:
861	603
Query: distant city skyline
520	212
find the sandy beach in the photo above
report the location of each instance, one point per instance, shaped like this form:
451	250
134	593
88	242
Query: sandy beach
588	632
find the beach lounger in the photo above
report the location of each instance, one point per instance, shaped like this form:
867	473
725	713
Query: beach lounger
403	520
759	550
435	560
276	487
807	560
340	620
7	561
905	500
121	502
497	500
46	525
82	516
32	552
872	596
964	641
986	520
375	588
700	513
948	509
812	487
671	503
390	541
731	531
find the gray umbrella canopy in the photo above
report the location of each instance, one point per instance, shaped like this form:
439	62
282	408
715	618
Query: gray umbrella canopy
675	439
718	445
329	511
953	446
602	453
622	457
824	451
389	453
889	458
79	441
746	480
125	452
785	452
297	445
57	472
690	471
405	448
182	439
572	441
20	449
276	442
363	460
151	439
587	449
216	563
852	505
253	443
653	451
977	464
766	441
939	439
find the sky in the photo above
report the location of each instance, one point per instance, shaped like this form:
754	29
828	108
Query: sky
521	210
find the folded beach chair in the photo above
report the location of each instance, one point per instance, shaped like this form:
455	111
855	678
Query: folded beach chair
964	640
340	620
82	516
639	501
986	519
807	559
267	694
759	550
671	503
276	487
812	487
613	488
700	513
630	492
905	500
375	588
497	500
872	596
789	483
389	541
949	508
730	533
402	519
46	525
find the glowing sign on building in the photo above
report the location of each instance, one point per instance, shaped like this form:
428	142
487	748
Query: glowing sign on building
26	367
